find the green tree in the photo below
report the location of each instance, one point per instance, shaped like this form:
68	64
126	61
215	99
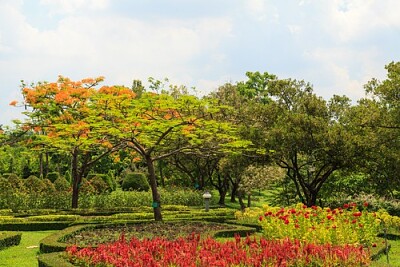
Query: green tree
159	125
64	113
310	137
379	116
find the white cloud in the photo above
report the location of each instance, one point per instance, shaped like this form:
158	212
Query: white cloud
71	6
344	70
261	10
352	20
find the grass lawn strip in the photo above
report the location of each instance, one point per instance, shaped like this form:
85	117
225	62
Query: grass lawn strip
23	255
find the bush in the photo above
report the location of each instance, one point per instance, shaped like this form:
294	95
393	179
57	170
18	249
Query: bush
55	259
8	239
136	181
108	179
34	185
16	183
61	184
52	242
33	226
99	185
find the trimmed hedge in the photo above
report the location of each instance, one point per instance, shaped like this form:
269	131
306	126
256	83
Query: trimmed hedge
55	259
8	239
52	243
33	226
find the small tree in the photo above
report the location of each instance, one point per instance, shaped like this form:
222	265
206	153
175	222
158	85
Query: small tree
258	178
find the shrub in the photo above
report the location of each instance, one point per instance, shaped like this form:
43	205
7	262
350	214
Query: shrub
61	184
108	179
135	181
16	183
99	185
34	185
52	242
54	259
8	239
33	226
49	187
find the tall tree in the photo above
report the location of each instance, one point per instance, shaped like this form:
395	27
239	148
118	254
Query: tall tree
305	132
379	116
159	125
65	115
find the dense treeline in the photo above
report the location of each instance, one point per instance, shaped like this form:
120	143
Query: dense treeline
262	133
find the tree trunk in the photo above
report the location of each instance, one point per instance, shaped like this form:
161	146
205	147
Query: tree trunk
249	200
154	190
235	187
41	165
222	195
76	179
240	197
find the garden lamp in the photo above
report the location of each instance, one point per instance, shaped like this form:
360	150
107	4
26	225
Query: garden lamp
207	197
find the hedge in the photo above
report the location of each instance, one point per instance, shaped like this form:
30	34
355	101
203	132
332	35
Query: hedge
33	226
52	243
8	239
54	259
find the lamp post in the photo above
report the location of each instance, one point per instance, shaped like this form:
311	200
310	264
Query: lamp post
207	197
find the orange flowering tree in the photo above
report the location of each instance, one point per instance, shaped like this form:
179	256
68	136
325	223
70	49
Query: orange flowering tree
159	125
64	113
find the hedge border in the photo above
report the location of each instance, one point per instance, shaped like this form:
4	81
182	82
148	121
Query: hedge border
33	226
9	239
54	259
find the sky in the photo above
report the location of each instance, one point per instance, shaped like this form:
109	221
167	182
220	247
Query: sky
336	45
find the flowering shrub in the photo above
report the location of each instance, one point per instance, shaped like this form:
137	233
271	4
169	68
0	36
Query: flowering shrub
346	225
388	221
192	251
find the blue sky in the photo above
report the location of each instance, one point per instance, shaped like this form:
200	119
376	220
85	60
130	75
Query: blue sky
336	45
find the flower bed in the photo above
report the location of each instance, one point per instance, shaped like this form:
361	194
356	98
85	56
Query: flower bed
346	225
193	251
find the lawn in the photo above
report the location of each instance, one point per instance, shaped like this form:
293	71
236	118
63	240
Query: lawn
23	255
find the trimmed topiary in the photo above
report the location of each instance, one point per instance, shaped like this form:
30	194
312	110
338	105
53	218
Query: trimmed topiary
136	181
8	239
61	184
99	184
34	185
54	259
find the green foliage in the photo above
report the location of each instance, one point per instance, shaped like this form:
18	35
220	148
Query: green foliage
135	181
52	176
62	184
100	185
16	182
34	185
107	182
54	259
8	239
33	226
52	243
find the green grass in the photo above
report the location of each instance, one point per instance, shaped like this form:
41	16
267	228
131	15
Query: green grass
394	256
21	255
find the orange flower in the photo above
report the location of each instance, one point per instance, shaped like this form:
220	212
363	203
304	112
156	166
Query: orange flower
13	103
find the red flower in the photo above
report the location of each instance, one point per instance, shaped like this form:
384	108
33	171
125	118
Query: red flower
365	204
357	214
